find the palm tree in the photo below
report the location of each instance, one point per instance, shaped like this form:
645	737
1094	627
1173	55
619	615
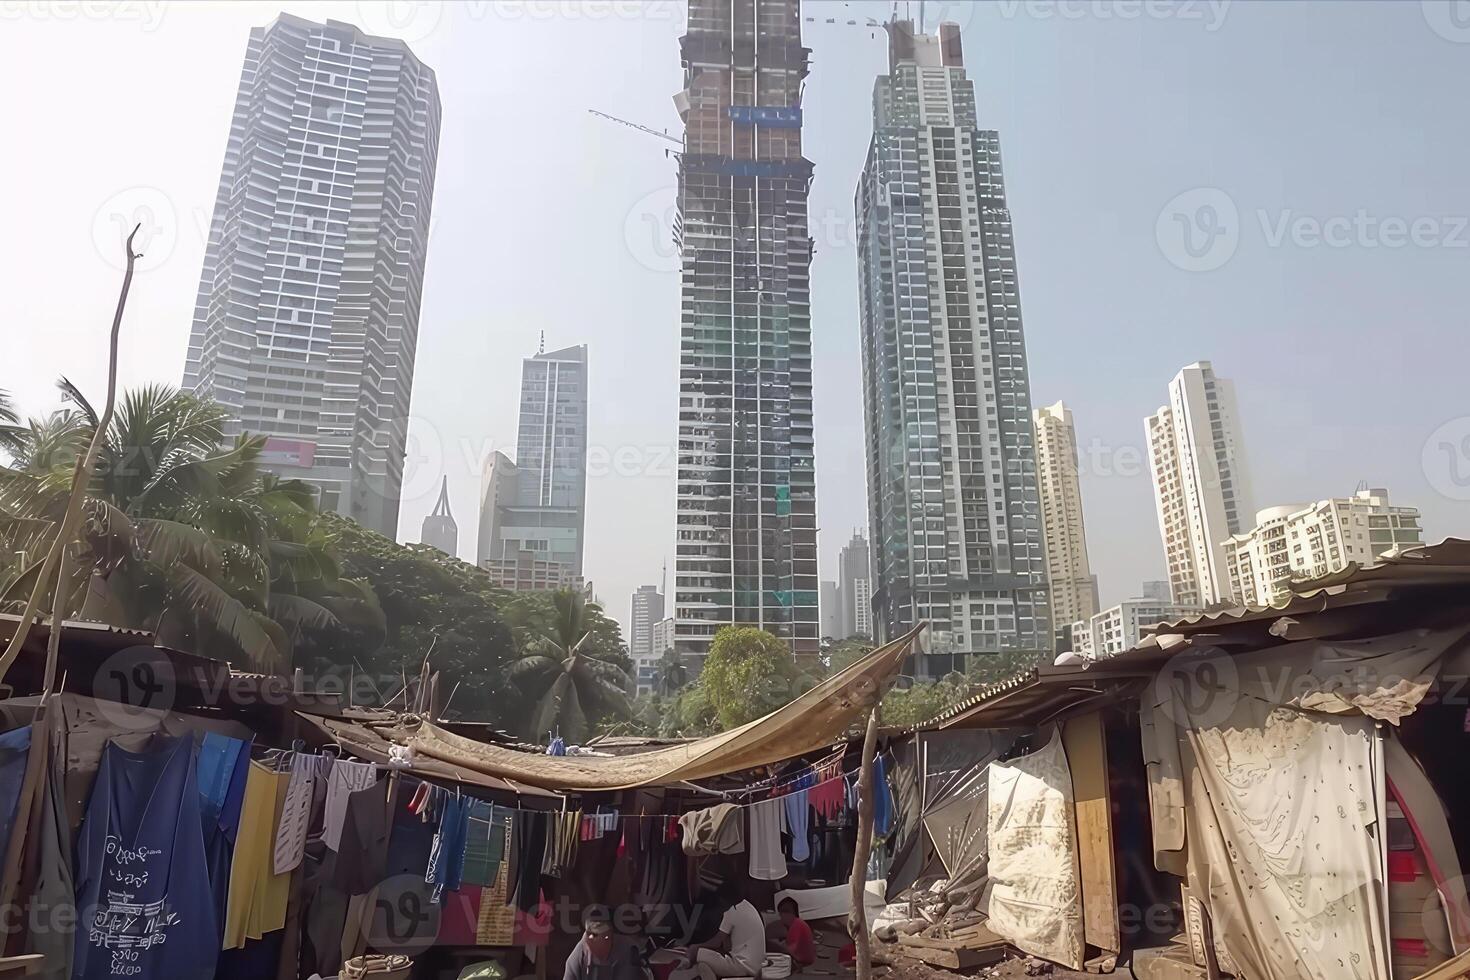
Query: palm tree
180	536
569	682
10	433
672	674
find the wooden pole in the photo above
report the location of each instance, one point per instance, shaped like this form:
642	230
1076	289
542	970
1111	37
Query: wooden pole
857	916
81	476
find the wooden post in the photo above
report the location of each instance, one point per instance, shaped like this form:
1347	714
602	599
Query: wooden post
81	476
857	916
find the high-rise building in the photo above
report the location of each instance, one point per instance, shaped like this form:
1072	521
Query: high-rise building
746	548
952	498
1155	589
439	529
538	504
1073	586
1119	628
831	605
648	610
1311	540
307	318
853	591
1201	483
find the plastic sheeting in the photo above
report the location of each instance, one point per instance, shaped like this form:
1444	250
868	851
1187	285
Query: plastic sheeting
1034	898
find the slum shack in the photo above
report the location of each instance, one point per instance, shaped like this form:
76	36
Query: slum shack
167	816
1261	792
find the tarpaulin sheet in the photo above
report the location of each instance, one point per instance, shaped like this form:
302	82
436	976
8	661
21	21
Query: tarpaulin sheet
813	721
1033	898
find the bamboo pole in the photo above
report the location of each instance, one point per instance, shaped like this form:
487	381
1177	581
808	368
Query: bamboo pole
857	916
81	476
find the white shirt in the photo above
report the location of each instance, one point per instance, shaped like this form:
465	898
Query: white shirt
747	932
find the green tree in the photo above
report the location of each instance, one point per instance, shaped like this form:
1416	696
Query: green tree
689	715
673	675
566	671
180	536
428	602
845	653
10	432
749	673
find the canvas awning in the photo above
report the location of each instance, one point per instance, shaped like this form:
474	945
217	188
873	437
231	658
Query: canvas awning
813	721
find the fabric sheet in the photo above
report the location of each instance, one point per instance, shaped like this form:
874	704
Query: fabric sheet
1282	829
143	898
15	747
798	813
1034	896
345	779
767	861
257	895
713	830
295	814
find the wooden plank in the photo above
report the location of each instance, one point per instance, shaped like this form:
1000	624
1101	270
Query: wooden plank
1087	757
953	959
1455	969
21	966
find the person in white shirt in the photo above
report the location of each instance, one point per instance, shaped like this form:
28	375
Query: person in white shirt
739	948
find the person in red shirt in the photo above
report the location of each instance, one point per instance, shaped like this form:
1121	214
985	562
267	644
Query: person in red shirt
798	942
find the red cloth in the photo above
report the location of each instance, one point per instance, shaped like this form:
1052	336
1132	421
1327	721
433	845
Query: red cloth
799	943
460	921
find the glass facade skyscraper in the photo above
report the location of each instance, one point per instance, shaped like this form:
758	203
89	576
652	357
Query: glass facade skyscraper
954	515
307	318
746	548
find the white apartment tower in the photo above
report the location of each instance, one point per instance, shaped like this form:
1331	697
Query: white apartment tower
1073	588
307	318
1201	483
953	510
647	612
1311	540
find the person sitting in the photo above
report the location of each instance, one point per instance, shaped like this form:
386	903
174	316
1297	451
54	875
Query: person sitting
738	949
798	942
599	954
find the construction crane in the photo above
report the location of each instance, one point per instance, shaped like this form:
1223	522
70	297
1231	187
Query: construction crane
642	129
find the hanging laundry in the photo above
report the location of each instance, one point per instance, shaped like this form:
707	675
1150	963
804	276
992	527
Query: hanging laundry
15	748
446	860
291	833
54	886
882	798
767	862
362	858
346	778
798	812
496	923
828	795
223	767
257	896
530	850
714	830
484	843
142	889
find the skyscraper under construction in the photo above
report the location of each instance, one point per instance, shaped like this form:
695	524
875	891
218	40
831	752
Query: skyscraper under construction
746	550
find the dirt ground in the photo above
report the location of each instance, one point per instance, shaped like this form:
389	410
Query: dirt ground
830	939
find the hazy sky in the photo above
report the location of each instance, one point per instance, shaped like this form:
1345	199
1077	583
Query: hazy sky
1318	255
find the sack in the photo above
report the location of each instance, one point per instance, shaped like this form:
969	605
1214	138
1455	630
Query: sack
377	968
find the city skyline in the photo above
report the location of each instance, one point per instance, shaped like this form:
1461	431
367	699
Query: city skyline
1091	354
